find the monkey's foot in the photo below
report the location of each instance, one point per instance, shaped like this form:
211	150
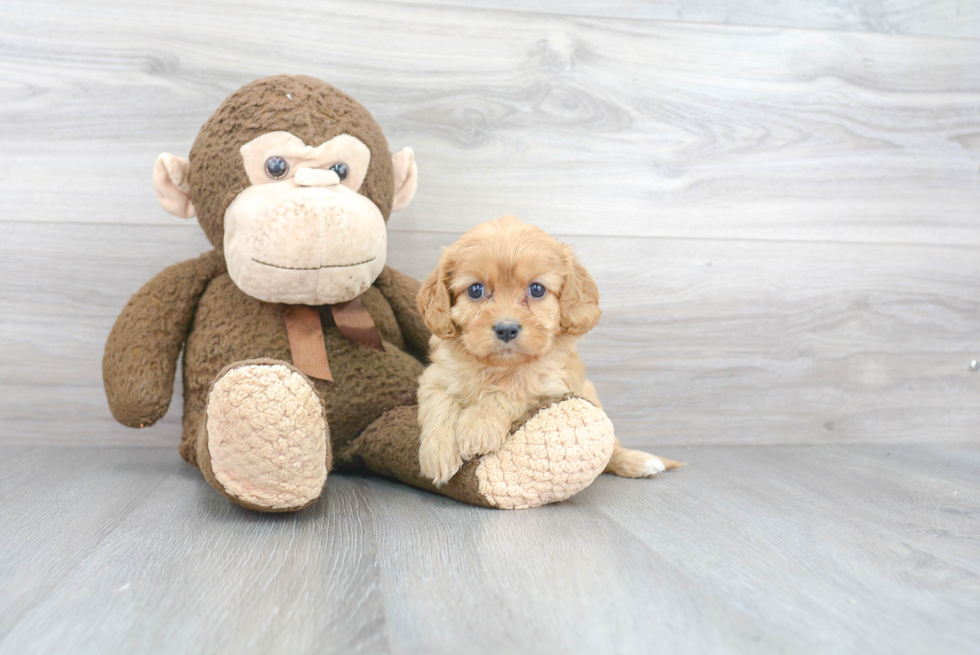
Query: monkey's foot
555	454
265	444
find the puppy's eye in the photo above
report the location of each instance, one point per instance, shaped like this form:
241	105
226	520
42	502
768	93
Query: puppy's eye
475	291
536	290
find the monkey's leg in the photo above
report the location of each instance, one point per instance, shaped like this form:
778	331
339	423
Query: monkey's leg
264	443
552	455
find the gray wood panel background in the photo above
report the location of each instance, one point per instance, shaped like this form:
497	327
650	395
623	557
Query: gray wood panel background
778	199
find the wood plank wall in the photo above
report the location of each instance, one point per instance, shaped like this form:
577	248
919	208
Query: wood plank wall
779	200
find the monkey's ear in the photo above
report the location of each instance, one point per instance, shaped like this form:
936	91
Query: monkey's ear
406	178
579	299
173	189
435	302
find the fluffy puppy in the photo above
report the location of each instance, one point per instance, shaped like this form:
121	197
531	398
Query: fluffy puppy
506	305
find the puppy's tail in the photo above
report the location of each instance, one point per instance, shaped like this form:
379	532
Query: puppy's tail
670	464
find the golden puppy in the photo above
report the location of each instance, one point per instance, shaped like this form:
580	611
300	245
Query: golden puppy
505	305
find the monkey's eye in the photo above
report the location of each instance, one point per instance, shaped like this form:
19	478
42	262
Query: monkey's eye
340	168
536	290
276	167
475	291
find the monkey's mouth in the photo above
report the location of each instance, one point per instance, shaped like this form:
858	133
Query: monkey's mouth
313	268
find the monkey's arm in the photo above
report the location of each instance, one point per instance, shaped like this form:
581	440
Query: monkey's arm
400	290
141	352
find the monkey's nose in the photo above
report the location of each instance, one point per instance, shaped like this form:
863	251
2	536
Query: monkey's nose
506	330
316	177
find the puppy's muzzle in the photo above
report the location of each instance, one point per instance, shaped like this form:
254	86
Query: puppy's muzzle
506	330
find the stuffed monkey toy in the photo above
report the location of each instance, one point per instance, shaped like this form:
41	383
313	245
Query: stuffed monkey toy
302	350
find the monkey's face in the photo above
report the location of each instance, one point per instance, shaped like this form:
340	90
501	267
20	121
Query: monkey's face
299	210
301	233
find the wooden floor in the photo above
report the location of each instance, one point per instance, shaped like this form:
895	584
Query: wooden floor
779	549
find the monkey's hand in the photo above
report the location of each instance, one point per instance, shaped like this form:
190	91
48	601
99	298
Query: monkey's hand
141	352
400	290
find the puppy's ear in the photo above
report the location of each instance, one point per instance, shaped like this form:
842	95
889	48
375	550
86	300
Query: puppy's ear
434	300
579	300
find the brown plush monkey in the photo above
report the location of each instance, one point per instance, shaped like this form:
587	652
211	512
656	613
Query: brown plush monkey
302	350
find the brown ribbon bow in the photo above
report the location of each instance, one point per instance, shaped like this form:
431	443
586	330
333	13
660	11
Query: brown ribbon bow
306	334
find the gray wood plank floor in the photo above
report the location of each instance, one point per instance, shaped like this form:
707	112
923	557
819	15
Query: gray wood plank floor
781	549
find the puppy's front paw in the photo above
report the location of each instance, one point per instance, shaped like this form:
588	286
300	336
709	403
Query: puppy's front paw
636	464
479	433
439	459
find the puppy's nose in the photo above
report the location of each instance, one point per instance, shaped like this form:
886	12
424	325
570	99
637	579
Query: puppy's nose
506	330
